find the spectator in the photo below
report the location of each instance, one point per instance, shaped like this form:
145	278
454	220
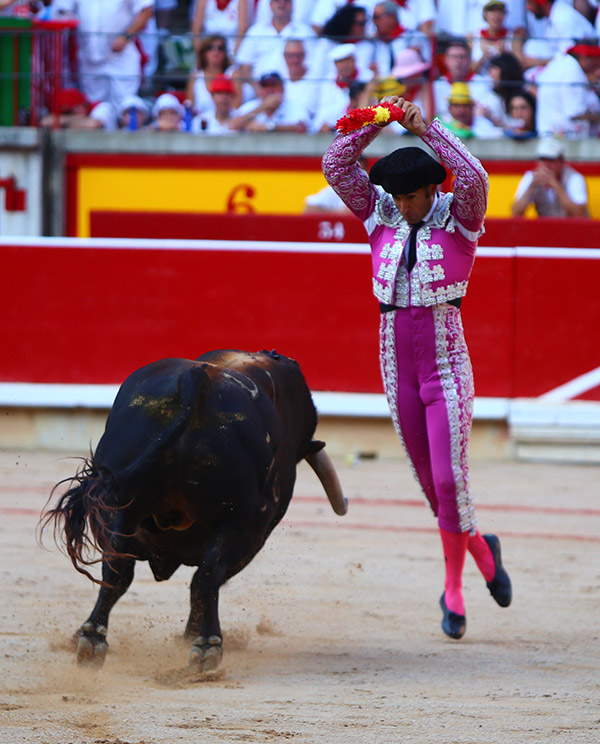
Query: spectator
300	88
327	200
463	17
301	13
561	24
567	102
75	111
168	114
134	113
212	61
271	111
554	188
261	50
418	15
457	69
218	121
462	119
520	123
228	18
507	76
163	11
346	26
390	39
335	95
110	62
324	10
491	40
410	70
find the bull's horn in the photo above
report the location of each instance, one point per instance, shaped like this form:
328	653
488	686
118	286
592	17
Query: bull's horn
321	463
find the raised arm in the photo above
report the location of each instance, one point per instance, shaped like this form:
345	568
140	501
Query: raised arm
344	174
471	183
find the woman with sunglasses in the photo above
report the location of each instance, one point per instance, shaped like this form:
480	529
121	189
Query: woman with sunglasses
213	61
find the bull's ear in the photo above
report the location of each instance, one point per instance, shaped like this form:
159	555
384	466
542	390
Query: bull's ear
315	446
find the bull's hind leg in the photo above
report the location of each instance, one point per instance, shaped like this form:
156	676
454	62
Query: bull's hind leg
203	624
91	637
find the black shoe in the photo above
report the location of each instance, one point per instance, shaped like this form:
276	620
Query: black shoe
500	586
453	625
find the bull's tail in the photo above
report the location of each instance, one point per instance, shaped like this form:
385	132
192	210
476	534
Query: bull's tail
83	517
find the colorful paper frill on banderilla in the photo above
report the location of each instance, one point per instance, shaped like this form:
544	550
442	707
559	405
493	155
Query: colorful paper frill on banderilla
383	113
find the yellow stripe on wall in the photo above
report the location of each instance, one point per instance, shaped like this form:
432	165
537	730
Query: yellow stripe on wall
258	191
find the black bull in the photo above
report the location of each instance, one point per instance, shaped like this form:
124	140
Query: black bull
196	466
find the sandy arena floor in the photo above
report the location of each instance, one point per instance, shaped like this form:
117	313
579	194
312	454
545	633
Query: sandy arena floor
332	634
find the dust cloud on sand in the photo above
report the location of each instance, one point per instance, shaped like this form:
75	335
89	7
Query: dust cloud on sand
331	635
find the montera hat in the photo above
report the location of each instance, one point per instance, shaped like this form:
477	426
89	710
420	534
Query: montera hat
405	170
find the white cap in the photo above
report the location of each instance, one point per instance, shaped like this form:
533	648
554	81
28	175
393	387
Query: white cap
550	148
134	102
341	51
167	101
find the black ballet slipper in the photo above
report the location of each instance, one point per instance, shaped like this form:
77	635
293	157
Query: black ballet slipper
453	625
500	586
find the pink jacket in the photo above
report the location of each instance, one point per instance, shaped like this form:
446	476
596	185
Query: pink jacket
446	243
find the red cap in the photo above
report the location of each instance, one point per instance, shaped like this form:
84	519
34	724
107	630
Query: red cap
587	50
222	84
68	98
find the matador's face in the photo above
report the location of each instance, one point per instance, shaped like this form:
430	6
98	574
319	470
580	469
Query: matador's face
414	206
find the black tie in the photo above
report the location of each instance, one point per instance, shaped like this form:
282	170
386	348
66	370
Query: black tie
412	245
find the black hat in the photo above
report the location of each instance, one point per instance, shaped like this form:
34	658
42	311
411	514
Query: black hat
406	170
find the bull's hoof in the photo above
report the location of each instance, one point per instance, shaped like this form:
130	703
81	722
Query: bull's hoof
91	646
206	653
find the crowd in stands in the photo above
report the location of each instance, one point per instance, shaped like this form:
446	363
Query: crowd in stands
488	69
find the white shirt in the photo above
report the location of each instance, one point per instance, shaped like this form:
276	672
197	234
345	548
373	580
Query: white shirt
99	22
301	11
262	46
573	182
303	93
287	114
564	93
462	17
208	124
327	200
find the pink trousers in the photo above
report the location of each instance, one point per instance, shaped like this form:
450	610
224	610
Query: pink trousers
428	381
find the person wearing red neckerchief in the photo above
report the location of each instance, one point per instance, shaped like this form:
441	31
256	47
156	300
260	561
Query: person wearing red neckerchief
456	62
493	39
559	24
335	97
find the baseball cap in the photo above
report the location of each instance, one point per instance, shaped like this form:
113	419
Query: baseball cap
549	148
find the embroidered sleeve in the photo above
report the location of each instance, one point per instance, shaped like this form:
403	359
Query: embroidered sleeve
344	174
471	183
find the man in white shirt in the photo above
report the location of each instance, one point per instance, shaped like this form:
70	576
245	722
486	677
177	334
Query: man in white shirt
554	187
300	87
261	50
335	95
553	26
271	112
567	102
110	66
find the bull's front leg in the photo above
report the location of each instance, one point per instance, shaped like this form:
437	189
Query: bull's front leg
203	624
90	639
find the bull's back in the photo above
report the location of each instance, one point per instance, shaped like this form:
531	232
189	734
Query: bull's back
281	379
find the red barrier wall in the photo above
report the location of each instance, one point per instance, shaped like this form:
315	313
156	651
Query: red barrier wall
93	311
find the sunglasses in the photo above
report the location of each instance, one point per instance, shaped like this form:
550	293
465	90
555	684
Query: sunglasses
216	47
